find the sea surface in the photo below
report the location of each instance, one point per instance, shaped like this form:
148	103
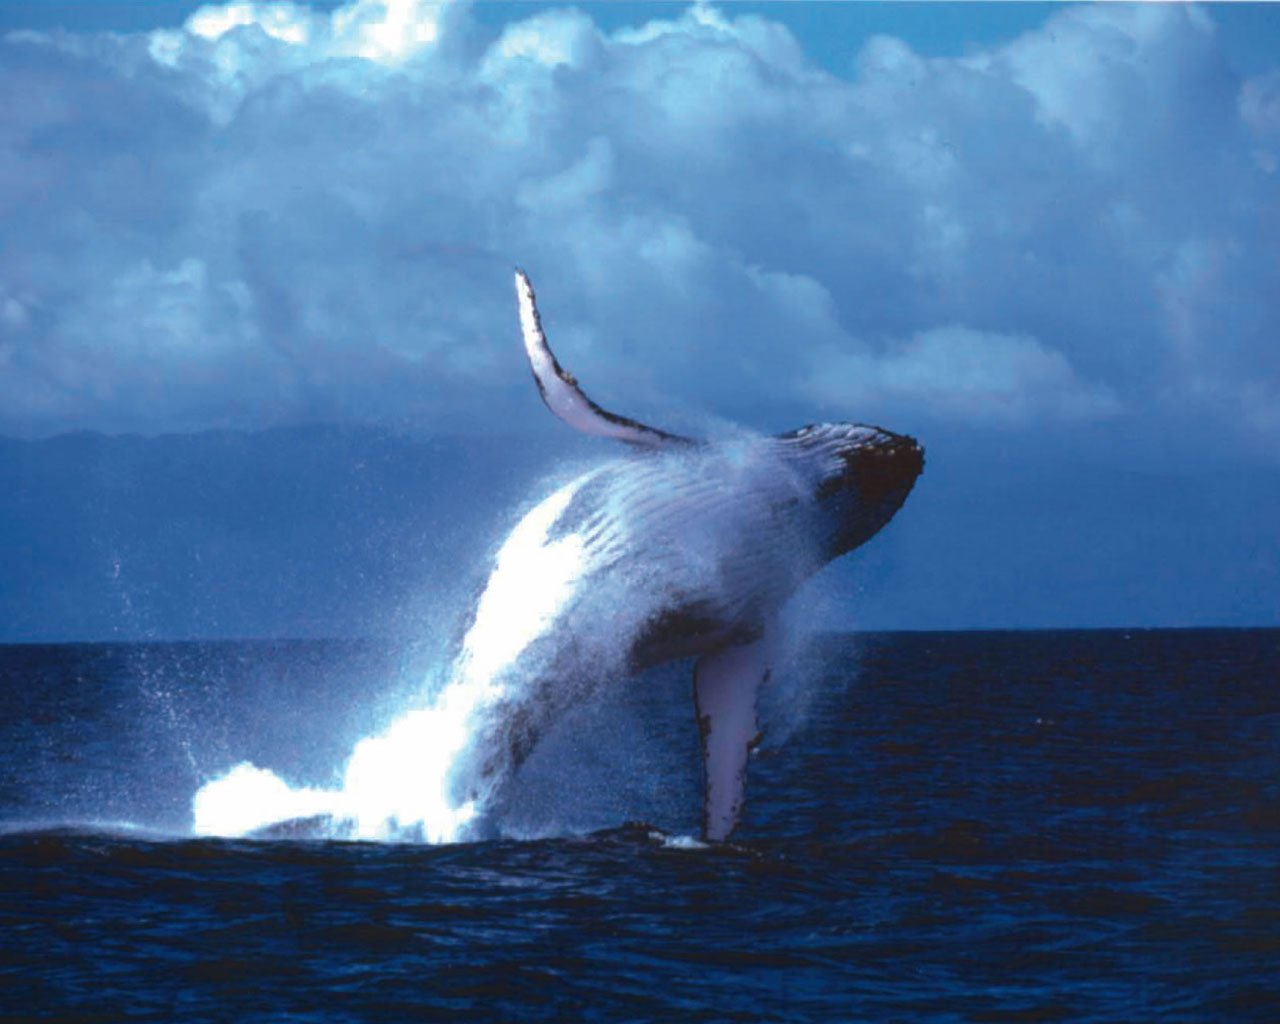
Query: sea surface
941	827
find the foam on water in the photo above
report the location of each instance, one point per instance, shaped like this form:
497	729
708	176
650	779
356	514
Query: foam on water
397	784
676	842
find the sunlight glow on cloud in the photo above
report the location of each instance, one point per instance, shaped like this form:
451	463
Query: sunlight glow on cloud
389	30
277	213
280	21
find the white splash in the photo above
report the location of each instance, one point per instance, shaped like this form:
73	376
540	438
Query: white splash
397	785
247	798
672	842
529	584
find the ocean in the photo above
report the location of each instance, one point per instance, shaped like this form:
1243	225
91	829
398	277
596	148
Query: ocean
1071	826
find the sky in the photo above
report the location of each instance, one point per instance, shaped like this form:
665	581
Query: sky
1045	234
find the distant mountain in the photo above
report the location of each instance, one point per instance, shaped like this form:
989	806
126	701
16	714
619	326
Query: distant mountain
326	531
308	531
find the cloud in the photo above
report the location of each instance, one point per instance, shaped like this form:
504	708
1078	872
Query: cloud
276	214
973	375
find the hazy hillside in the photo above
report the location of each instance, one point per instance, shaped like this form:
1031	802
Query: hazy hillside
315	531
341	531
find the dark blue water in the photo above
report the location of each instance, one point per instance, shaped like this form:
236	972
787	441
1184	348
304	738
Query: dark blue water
1075	826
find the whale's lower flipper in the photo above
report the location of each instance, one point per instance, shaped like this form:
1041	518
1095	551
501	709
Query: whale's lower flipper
725	683
559	388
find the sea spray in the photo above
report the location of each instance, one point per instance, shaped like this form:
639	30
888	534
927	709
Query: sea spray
400	783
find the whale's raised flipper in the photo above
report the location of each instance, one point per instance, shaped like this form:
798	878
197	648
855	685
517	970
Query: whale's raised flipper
560	390
725	683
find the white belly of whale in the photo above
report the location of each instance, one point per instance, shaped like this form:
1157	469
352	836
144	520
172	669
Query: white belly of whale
637	562
600	562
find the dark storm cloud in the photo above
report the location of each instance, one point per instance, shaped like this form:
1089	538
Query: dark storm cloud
279	214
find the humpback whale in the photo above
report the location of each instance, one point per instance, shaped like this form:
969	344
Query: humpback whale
682	548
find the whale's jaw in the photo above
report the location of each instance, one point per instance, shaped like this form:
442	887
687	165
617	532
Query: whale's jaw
861	477
876	482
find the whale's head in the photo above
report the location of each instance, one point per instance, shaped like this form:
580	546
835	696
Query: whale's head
860	476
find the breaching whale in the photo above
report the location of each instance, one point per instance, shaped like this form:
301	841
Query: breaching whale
680	549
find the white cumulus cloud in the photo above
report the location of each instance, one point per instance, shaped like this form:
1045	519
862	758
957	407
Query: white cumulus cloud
279	213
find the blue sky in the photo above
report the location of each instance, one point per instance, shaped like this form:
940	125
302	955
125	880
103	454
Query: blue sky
1045	233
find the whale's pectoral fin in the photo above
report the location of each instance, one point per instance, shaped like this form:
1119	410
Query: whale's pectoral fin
560	390
725	684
